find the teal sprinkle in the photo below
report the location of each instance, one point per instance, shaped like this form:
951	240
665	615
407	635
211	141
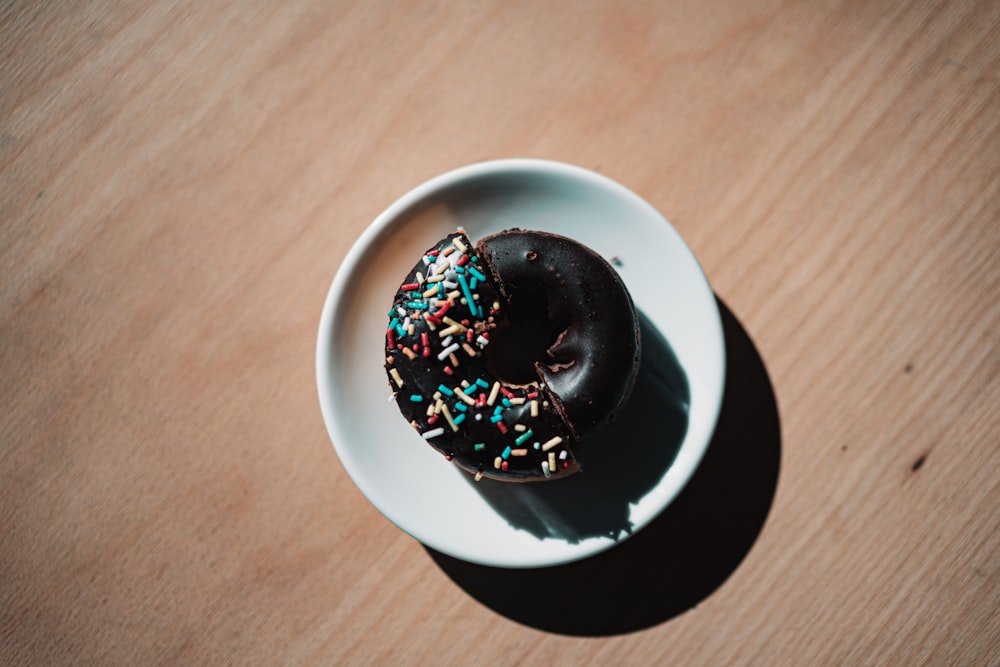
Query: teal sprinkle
444	390
459	269
496	418
473	282
416	398
476	273
506	402
400	330
498	409
471	389
459	419
394	323
524	436
417	305
538	445
461	407
479	446
482	383
506	453
468	295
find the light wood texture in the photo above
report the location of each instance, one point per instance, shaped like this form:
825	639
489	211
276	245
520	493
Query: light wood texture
180	181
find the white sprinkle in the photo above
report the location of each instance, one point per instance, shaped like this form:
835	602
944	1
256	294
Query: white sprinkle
446	351
433	433
545	469
401	311
447	341
562	455
482	341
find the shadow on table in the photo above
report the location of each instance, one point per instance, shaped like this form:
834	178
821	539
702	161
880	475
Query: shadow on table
618	467
683	555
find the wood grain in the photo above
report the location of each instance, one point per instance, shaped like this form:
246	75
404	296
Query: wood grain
179	182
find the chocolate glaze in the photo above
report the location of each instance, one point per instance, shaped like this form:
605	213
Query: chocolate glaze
592	361
423	374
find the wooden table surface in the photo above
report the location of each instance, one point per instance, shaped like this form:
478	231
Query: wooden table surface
180	181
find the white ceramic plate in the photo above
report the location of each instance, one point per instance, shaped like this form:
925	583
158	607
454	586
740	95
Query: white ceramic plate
492	523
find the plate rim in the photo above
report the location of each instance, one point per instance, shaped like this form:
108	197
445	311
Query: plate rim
382	222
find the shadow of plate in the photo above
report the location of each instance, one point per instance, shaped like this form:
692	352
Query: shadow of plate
683	555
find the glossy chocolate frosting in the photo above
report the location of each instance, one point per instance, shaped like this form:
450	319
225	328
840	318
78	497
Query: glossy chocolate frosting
583	307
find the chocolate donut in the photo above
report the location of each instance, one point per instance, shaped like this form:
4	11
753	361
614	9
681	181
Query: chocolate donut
504	355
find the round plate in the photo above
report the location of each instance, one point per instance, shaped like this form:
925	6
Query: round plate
531	524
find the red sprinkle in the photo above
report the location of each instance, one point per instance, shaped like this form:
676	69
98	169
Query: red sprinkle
532	394
565	464
391	338
441	311
409	287
465	322
468	335
432	419
416	347
502	427
503	466
447	457
462	260
507	392
448	371
433	253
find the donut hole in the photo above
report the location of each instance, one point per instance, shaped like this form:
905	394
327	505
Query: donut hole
525	337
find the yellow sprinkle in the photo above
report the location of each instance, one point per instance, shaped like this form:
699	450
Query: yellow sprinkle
454	295
430	409
444	333
497	462
551	443
520	428
479	475
493	394
395	377
468	400
552	461
430	292
420	278
430	325
534	408
410	329
458	244
517	401
453	323
436	279
451	422
496	305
